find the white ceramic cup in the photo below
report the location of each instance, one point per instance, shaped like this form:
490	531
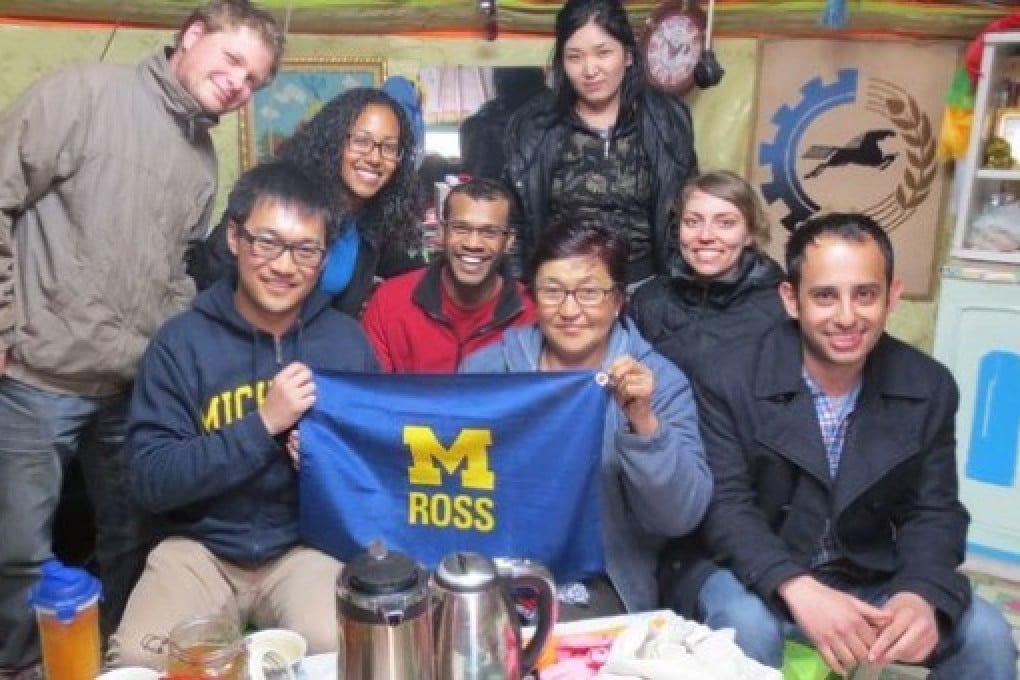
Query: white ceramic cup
286	645
130	673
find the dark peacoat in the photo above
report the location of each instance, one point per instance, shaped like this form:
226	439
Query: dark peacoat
894	505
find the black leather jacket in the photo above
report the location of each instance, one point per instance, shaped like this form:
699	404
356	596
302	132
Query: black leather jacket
533	143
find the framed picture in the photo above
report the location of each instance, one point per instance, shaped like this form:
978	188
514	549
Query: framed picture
1008	127
301	88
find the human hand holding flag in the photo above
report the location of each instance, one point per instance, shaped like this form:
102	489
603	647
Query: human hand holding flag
633	386
501	464
291	394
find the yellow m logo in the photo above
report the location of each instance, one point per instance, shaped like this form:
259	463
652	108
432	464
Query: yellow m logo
471	445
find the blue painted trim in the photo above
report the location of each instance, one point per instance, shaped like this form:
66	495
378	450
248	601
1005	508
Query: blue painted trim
1003	555
995	433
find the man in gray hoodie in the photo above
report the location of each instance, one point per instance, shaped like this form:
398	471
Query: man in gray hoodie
106	173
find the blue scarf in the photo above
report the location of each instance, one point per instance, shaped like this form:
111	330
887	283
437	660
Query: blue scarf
340	260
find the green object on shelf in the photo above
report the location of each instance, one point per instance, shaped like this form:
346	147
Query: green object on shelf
998	154
803	662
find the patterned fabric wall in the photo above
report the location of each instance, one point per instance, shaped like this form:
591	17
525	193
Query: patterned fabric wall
931	18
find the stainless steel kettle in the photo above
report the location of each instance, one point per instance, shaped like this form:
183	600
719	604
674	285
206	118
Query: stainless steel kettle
383	618
475	626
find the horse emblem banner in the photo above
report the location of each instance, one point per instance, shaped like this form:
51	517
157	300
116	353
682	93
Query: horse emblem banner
505	465
853	126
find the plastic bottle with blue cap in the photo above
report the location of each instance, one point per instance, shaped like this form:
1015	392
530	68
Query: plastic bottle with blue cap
66	601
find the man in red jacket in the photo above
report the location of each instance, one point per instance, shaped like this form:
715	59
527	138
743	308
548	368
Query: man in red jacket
428	320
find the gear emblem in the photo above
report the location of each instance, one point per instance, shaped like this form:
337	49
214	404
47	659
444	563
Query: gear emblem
780	155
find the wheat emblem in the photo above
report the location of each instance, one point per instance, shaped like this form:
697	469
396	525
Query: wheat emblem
915	129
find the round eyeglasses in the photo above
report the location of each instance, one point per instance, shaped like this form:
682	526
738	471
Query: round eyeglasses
365	145
588	296
268	247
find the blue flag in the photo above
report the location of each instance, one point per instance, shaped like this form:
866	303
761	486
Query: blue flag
501	464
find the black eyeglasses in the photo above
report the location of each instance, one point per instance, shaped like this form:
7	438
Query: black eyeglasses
268	247
487	232
364	145
588	296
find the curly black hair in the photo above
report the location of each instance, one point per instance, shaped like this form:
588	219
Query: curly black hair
391	216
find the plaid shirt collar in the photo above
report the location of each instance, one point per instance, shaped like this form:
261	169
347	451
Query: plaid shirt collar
833	416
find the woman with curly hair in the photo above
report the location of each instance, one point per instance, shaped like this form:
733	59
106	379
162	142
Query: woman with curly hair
361	143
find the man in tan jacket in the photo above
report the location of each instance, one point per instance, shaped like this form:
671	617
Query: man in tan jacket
106	173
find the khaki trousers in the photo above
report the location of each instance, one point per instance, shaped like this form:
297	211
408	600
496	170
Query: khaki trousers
182	579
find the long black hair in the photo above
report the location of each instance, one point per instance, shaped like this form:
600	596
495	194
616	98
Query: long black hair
391	216
611	17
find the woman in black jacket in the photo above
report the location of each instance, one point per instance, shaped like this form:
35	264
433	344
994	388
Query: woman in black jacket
722	289
722	292
601	145
361	143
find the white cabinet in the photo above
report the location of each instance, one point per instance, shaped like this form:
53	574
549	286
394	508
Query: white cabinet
977	335
977	331
988	216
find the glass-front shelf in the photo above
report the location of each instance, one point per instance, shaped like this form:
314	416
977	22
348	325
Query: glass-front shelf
1002	175
997	272
992	229
988	212
986	255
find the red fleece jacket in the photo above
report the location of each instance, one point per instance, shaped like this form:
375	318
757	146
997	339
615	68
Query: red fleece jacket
410	332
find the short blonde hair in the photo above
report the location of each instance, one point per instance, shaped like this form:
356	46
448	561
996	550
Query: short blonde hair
230	15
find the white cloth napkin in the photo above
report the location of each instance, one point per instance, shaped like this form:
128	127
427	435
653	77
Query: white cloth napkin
679	649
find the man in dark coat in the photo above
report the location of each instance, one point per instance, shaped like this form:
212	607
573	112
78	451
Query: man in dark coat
836	516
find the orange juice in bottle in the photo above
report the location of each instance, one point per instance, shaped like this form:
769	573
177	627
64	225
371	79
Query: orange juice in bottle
66	601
